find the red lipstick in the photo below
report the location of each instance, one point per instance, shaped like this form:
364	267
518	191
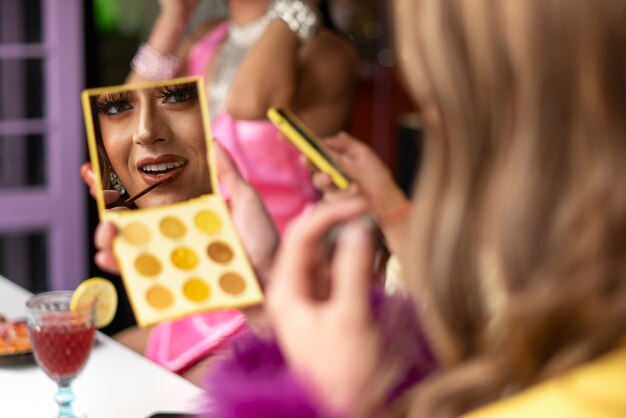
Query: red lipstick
160	169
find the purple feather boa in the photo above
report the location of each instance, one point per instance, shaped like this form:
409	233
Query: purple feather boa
253	381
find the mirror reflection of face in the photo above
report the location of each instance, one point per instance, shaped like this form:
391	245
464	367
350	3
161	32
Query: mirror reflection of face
155	134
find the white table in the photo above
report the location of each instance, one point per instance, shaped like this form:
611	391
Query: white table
116	382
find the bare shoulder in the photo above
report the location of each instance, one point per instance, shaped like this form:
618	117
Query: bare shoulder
330	59
328	72
330	48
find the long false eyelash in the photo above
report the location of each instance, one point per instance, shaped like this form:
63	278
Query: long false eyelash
103	102
184	88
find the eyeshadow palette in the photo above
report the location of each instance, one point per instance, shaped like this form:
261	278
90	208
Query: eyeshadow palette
178	250
182	259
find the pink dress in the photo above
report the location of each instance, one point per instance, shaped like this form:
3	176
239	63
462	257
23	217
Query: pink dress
271	166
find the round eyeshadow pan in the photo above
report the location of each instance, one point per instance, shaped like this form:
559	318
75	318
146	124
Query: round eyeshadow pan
136	233
208	221
220	252
184	258
172	227
147	265
196	290
159	297
232	283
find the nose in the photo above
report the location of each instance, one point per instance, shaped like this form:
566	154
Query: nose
150	129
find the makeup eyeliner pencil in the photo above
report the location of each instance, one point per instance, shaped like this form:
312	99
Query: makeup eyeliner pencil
143	192
121	202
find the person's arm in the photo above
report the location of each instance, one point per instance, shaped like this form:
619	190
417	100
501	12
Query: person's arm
327	80
374	181
319	304
167	33
308	374
267	75
314	79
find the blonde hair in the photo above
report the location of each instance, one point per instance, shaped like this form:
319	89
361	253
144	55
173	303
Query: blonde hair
519	230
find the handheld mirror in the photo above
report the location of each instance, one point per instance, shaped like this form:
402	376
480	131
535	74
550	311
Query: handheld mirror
178	250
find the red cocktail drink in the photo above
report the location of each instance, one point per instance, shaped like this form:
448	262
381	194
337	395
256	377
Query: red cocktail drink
62	339
62	349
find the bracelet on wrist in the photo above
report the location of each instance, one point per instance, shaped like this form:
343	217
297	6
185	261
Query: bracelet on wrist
153	65
396	215
302	18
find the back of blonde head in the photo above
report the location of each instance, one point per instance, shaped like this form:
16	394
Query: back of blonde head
520	223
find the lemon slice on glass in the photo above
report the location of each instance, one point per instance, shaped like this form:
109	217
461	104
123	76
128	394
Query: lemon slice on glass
105	296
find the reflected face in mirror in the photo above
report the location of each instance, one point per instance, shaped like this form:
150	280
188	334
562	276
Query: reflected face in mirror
154	135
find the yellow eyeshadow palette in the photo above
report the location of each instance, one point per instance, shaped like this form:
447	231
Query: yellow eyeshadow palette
182	259
179	258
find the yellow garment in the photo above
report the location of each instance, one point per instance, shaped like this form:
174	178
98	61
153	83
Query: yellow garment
593	390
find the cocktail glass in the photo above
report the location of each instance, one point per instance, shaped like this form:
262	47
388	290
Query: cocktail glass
62	340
